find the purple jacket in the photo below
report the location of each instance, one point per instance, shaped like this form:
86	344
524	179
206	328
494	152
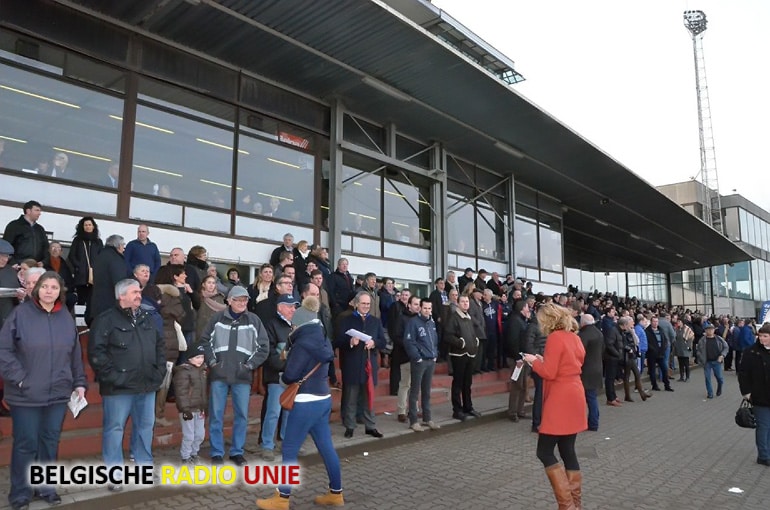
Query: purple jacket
41	351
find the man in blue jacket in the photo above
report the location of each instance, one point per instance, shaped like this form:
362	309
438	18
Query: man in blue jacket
421	345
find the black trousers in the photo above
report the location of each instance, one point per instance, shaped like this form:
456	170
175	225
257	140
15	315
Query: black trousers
545	451
610	373
684	367
654	363
462	377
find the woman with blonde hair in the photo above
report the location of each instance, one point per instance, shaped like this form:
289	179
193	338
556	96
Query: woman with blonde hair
564	408
260	289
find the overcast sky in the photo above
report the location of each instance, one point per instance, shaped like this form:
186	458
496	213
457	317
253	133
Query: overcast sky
621	73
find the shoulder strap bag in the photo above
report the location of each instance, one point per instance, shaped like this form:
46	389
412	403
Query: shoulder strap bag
290	392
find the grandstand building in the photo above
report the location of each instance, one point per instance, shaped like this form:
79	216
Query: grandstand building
383	129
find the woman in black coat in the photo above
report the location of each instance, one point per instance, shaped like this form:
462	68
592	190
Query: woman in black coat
754	380
86	245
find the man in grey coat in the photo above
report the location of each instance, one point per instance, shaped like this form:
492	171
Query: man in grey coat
712	350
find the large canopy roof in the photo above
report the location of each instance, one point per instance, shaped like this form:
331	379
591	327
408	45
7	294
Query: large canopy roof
613	219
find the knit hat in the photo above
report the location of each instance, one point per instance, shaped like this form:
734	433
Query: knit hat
198	349
307	312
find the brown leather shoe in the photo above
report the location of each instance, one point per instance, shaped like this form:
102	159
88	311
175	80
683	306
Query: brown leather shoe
402	418
614	403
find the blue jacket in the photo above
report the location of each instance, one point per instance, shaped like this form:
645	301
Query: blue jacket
642	334
746	337
421	338
353	359
138	253
40	350
309	347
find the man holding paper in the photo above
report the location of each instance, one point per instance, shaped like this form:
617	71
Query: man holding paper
359	338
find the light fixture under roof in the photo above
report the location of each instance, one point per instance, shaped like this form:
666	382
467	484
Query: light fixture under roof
659	247
510	150
602	223
634	236
387	89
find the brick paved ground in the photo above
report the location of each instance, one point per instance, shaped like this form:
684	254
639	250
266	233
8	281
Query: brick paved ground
677	450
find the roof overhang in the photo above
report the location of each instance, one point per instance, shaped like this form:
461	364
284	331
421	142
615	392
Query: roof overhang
613	220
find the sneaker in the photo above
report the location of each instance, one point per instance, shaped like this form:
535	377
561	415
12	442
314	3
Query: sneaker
196	460
416	427
217	460
348	433
131	458
115	487
431	425
267	455
189	461
238	460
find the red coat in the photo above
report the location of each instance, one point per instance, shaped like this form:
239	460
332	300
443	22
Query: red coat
564	403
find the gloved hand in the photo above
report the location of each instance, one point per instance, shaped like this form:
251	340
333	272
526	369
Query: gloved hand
187	415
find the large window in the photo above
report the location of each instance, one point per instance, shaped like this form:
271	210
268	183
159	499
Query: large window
492	229
180	158
550	244
525	241
407	210
361	199
275	181
460	235
51	128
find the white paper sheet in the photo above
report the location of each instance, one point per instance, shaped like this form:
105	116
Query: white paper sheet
357	334
516	373
76	404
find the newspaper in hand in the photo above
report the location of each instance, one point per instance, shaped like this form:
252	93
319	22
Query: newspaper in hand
354	333
76	404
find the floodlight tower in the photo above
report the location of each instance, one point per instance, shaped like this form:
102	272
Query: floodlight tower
695	22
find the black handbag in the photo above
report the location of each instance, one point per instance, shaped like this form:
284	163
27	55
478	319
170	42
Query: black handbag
744	416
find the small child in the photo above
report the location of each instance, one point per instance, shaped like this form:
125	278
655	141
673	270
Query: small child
191	401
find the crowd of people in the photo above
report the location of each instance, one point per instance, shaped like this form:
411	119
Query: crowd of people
183	332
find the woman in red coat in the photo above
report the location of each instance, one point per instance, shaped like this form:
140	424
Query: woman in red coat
564	409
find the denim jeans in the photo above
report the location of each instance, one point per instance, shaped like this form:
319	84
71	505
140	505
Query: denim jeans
593	409
312	418
217	400
762	414
640	361
422	378
272	413
116	410
36	433
666	358
716	367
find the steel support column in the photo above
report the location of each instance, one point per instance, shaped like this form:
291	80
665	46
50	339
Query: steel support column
438	231
335	183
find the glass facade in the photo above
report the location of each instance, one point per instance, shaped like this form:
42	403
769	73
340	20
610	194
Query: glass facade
754	230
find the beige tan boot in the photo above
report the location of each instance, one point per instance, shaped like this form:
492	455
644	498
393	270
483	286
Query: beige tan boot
576	488
330	499
274	502
560	484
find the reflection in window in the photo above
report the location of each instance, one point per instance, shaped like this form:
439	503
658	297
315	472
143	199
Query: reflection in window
526	243
744	222
407	212
361	201
275	181
550	245
491	231
460	235
179	158
58	130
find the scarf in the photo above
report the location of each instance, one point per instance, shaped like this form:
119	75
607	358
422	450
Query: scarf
208	297
263	292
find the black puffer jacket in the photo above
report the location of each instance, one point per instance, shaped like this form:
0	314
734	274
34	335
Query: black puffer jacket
460	334
127	353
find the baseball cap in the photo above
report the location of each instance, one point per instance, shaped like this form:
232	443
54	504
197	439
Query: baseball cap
5	247
709	326
286	299
236	292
